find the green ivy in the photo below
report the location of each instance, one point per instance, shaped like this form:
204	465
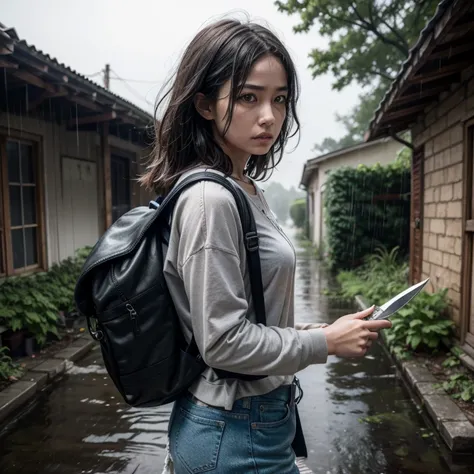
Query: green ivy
32	302
359	218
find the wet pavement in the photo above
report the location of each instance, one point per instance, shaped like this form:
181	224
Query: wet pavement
356	415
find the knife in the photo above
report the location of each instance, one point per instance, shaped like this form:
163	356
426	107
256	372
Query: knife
397	302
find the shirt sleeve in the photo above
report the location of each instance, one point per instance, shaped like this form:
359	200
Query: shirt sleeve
213	281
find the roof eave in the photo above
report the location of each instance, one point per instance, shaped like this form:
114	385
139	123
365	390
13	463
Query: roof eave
60	79
386	121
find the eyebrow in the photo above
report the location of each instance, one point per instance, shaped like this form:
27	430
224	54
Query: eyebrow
262	88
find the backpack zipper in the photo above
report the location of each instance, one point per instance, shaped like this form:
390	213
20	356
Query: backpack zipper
131	310
133	317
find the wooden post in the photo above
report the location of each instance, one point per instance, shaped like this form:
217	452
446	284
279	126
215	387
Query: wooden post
107	76
105	148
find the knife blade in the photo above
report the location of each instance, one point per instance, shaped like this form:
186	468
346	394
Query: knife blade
397	302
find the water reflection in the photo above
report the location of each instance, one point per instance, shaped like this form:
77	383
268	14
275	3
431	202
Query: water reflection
83	426
357	417
356	414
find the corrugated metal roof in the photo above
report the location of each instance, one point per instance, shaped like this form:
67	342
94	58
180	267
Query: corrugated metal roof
24	47
430	26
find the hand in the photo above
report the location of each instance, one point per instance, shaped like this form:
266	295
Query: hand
351	336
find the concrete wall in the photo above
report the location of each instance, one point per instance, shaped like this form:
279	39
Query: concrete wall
384	152
441	132
66	212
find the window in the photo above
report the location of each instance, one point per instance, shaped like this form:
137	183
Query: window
20	229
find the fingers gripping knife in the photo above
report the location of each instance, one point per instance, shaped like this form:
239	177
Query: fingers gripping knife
397	302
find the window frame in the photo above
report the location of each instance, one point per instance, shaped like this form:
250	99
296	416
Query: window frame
467	259
6	243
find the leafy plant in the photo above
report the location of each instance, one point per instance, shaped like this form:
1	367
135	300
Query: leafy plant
451	362
32	302
7	367
381	276
460	386
422	324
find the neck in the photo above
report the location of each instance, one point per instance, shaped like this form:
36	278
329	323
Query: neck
239	159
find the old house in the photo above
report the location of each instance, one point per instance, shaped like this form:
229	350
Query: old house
433	96
69	150
316	170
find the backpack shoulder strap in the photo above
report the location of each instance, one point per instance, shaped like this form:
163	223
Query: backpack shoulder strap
249	230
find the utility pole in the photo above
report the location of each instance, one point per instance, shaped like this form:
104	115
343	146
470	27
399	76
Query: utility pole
107	76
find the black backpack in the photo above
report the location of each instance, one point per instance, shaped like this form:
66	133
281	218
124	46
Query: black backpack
123	294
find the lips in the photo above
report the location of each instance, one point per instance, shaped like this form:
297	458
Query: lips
263	136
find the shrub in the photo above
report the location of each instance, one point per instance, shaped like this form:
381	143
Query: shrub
366	207
33	302
422	324
298	213
381	276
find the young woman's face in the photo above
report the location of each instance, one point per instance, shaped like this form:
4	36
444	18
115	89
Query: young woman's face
259	111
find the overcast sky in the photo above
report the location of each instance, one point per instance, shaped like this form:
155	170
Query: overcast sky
142	40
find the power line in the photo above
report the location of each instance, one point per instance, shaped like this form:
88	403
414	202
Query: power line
94	75
140	81
131	89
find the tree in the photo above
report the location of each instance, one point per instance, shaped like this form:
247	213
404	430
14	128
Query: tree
279	198
298	213
368	41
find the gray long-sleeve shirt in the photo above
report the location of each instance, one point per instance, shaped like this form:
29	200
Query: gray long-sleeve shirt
206	271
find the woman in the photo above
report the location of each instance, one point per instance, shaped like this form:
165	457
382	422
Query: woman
231	109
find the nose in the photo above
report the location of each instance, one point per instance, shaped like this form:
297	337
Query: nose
266	116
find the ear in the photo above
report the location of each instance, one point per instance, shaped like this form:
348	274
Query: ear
203	106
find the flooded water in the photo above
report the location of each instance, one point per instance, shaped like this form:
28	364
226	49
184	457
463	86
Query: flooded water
357	417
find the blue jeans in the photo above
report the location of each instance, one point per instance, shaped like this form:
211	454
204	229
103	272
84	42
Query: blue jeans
254	437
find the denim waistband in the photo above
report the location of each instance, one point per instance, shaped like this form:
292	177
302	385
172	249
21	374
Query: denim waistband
290	394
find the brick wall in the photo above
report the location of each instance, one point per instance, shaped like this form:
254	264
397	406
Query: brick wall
441	131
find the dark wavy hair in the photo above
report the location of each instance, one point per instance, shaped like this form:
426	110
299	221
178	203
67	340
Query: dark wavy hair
225	50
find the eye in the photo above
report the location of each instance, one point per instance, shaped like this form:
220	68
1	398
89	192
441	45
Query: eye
248	98
281	99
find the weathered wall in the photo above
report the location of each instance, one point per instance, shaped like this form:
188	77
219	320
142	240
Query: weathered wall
59	146
441	132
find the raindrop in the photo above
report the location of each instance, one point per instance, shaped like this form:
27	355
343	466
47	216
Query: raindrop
21	119
77	130
6	98
27	101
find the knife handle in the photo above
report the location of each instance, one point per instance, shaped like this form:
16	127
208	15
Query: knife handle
376	313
